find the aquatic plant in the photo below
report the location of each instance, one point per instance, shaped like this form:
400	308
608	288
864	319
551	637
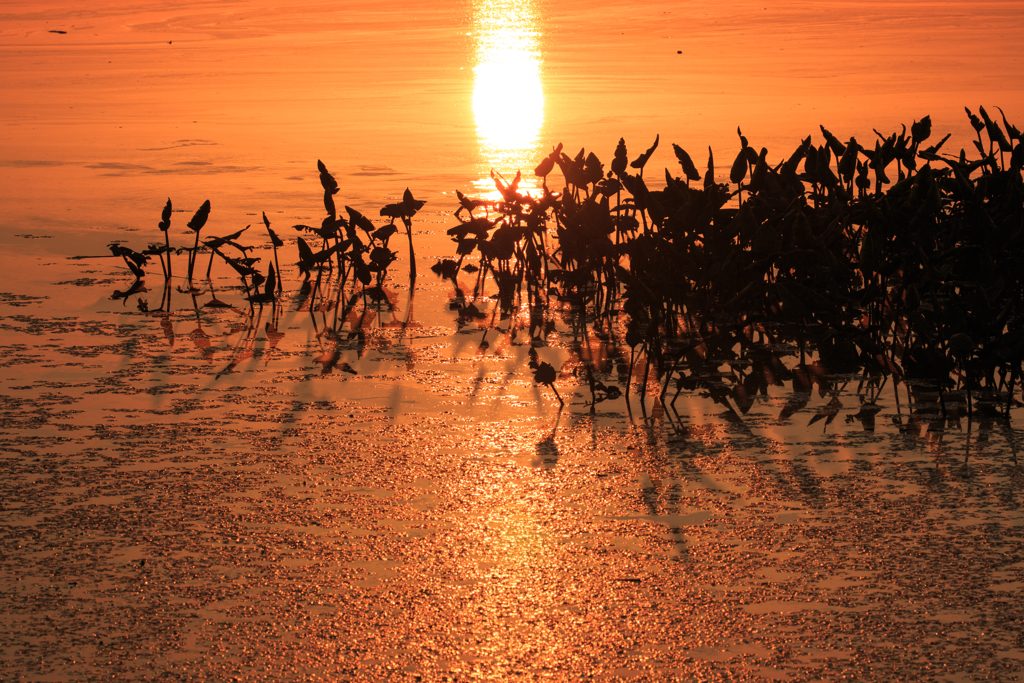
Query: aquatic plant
893	260
917	276
195	225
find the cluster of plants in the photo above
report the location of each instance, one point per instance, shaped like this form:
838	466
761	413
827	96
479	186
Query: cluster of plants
889	259
345	255
358	248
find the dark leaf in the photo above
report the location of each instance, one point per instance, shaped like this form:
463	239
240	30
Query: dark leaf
848	162
545	167
1010	130
382	256
199	219
641	161
789	168
545	374
359	220
362	270
921	130
739	168
994	132
593	169
383	234
271	283
392	211
274	238
621	160
834	145
976	123
305	256
328	182
218	242
687	163
410	204
165	217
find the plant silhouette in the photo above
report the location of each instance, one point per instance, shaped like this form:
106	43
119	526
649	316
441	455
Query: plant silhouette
891	261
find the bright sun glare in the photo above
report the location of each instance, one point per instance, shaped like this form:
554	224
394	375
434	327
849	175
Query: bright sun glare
508	99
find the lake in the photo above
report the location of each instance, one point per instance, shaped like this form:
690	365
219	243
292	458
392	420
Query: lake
383	492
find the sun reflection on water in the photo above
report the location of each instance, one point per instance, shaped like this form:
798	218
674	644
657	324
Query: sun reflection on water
508	95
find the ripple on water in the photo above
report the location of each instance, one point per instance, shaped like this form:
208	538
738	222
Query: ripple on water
433	515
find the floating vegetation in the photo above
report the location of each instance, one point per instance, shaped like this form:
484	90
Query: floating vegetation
841	262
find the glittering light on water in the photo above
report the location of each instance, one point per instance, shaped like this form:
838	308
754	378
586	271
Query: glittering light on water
508	95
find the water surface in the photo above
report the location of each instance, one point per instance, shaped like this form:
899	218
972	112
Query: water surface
192	495
235	101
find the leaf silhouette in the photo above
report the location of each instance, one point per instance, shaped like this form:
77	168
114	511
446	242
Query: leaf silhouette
620	161
709	178
200	217
357	219
128	254
593	169
921	130
546	165
976	123
1010	130
381	256
467	204
271	284
994	132
791	164
306	261
848	162
384	233
641	160
275	240
689	169
165	216
412	205
837	148
739	168
508	192
328	182
546	374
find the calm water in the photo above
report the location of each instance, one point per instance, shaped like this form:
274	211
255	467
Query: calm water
193	496
235	101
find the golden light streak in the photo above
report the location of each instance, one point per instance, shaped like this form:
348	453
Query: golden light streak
508	95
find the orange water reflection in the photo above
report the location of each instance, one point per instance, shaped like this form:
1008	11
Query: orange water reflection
508	92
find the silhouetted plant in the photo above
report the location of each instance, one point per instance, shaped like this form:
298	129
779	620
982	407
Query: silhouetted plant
196	224
867	256
892	260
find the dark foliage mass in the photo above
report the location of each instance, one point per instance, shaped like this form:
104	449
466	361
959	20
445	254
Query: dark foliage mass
889	259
